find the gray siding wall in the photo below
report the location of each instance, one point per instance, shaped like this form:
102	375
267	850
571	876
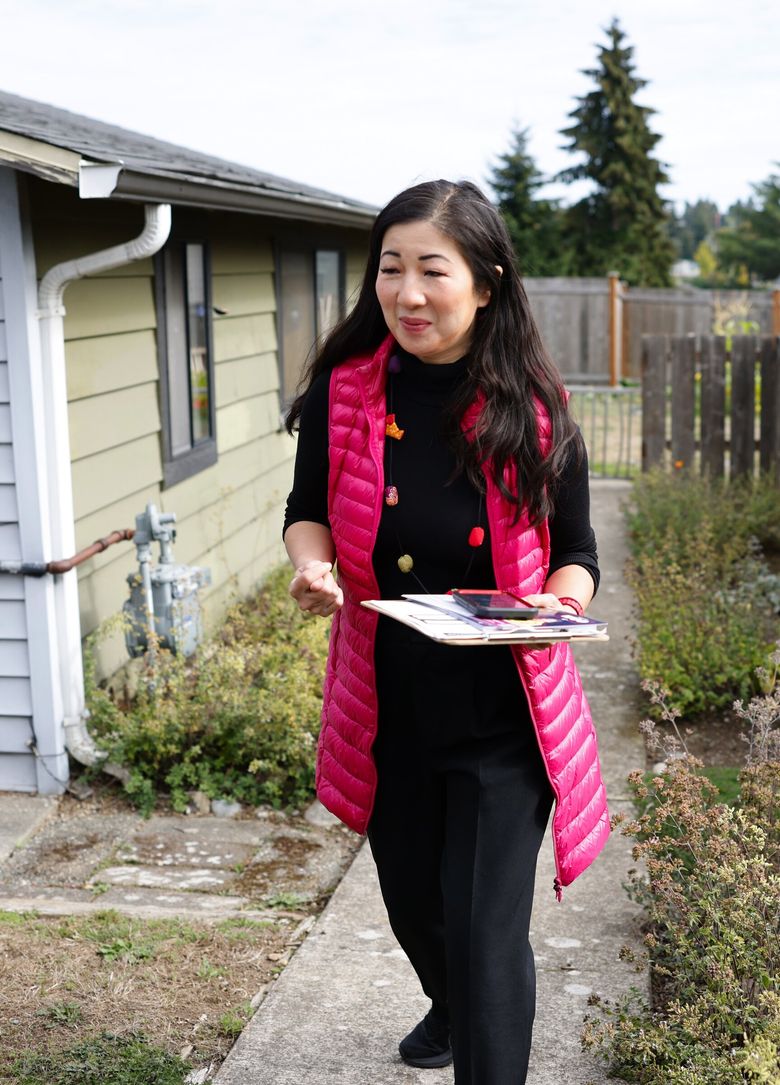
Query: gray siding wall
17	765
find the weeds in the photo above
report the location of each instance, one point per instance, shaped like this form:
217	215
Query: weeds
123	949
103	1060
233	1022
62	1013
241	929
284	900
207	971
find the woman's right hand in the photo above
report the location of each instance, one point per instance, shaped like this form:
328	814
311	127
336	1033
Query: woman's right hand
315	590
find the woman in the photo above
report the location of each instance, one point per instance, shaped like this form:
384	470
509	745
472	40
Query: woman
436	451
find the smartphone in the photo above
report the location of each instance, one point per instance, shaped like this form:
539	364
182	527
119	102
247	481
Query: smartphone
494	604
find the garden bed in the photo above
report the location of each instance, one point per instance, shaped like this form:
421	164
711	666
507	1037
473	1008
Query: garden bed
707	830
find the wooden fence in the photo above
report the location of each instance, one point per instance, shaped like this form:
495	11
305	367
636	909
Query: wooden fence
594	327
709	409
573	318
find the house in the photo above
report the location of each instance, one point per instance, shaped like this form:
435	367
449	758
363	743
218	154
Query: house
163	380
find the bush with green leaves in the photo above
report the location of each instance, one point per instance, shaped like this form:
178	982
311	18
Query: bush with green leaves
707	601
237	721
711	890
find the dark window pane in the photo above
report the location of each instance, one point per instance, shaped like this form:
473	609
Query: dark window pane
198	343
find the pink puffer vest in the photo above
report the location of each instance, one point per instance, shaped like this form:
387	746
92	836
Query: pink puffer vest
346	774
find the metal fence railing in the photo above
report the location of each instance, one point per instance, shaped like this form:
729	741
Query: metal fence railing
611	423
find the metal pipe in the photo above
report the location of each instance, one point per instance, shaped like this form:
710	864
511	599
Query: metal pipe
58	463
41	568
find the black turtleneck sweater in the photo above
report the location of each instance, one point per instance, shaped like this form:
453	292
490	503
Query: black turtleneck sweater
434	516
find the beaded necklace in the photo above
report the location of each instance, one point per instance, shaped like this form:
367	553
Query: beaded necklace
394	433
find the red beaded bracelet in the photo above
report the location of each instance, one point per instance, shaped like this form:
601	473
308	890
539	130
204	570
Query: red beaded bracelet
567	601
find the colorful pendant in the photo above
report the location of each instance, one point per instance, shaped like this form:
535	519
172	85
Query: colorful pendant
391	429
476	536
405	563
394	365
391	495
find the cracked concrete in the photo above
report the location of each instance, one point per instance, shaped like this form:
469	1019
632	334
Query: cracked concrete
199	867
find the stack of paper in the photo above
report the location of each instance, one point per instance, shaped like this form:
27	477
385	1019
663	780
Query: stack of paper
442	619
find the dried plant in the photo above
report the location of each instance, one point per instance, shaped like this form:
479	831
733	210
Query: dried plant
762	715
708	877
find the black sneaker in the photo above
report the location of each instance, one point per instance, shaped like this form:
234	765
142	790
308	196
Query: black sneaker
427	1045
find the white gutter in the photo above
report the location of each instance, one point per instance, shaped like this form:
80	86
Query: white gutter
51	311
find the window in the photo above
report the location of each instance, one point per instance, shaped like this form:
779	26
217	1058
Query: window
310	302
186	360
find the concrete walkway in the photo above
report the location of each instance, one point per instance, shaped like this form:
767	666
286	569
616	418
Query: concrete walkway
339	1008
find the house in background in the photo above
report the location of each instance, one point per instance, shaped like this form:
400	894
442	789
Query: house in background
163	381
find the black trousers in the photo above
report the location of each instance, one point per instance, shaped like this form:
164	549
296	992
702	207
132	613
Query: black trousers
461	809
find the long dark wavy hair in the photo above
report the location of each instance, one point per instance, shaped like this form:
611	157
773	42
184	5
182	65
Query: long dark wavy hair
508	362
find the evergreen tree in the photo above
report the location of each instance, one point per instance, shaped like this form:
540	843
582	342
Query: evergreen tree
533	223
622	224
752	236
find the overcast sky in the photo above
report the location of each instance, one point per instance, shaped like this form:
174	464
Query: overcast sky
366	98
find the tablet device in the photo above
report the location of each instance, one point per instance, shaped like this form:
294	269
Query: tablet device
494	604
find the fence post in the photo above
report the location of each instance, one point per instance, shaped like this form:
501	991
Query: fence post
683	385
713	405
653	400
743	399
776	311
769	457
615	328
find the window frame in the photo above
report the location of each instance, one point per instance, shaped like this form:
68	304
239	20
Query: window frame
203	454
307	243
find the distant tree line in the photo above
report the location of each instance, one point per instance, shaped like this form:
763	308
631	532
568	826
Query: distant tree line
623	224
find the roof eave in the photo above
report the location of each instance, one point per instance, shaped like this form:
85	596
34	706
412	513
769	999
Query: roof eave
218	196
62	166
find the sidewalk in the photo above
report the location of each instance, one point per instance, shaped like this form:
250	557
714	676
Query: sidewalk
336	1014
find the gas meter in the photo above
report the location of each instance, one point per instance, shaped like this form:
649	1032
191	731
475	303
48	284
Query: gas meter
163	597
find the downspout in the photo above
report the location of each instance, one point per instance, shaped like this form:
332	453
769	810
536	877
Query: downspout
51	311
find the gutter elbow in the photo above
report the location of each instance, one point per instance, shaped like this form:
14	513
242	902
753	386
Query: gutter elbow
81	747
157	227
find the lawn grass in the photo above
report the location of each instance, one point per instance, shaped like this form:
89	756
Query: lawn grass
111	999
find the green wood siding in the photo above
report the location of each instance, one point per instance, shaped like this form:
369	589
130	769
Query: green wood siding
242	378
243	336
113	419
105	307
107	363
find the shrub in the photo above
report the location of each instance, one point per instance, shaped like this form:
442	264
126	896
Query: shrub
712	896
238	721
664	506
707	601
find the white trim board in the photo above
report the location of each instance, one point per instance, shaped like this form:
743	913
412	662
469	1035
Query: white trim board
37	697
